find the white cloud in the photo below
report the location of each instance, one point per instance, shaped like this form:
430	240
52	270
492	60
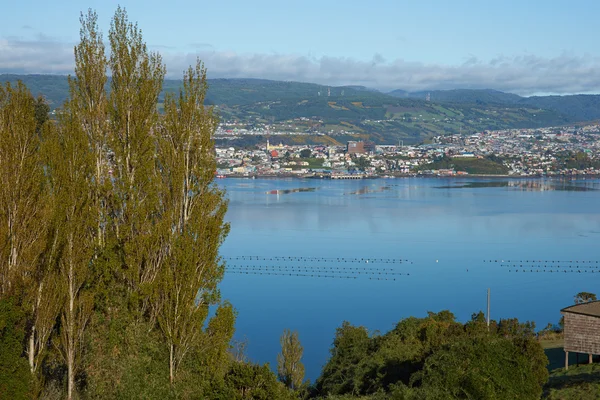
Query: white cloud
524	74
42	55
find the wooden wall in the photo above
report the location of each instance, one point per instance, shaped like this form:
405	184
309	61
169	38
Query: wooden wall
582	333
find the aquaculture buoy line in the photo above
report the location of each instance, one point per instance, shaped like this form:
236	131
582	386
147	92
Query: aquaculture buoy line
305	275
315	270
553	266
533	261
548	266
292	274
556	271
364	260
317	267
371	268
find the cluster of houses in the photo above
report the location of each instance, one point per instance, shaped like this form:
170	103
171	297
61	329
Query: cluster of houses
525	152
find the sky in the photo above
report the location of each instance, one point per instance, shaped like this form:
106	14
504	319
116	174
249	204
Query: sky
526	47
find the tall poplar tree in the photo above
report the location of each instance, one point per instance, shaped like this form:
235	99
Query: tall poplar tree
21	207
289	362
193	211
26	239
71	167
89	104
137	77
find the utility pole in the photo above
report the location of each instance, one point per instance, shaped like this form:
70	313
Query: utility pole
488	308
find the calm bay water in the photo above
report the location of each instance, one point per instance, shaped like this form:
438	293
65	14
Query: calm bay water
450	240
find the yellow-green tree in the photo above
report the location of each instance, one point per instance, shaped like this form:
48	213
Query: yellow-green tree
289	362
111	223
26	239
192	211
88	104
137	77
71	168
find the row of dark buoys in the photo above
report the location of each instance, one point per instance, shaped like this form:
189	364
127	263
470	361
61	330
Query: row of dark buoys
311	267
309	275
554	270
545	261
320	259
313	271
381	279
296	274
550	266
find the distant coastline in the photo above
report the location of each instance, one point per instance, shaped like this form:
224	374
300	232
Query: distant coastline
400	176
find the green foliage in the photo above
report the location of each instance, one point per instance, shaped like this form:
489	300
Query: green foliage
485	368
511	327
21	205
436	358
41	112
15	378
342	374
584	297
252	381
289	362
26	226
480	166
579	160
362	163
305	153
126	359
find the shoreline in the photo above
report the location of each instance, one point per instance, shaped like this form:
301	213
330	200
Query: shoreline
404	176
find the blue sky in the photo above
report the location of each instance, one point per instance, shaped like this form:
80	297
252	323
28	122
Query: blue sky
532	47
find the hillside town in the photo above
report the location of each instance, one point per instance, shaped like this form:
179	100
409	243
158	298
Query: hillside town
516	152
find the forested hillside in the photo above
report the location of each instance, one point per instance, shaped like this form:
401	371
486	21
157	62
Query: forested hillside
579	107
350	112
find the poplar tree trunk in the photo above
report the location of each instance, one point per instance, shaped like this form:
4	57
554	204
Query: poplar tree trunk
171	363
31	352
70	340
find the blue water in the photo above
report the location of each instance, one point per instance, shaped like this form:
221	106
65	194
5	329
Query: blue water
450	240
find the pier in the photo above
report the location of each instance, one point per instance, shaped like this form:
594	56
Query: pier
348	176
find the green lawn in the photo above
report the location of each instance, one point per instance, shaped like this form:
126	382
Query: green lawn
578	382
581	382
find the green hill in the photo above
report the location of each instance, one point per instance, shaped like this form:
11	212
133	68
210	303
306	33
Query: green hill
579	107
54	87
355	112
464	96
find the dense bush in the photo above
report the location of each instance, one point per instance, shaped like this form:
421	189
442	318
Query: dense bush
436	357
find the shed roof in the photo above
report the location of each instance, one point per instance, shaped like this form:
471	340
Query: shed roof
591	309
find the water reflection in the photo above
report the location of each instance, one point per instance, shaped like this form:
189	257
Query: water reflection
367	189
529	185
288	191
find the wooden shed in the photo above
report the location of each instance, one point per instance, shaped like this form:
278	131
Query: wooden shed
582	329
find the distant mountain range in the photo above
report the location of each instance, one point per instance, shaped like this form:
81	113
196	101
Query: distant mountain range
351	112
580	107
464	96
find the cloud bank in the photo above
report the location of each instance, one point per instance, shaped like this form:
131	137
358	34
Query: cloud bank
523	74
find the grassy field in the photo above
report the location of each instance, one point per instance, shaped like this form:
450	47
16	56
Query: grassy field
580	383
